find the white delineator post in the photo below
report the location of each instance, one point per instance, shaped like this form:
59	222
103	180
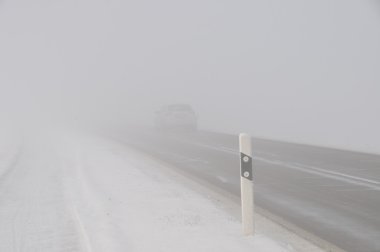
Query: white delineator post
246	178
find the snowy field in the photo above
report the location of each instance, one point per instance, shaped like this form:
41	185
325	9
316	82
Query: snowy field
93	195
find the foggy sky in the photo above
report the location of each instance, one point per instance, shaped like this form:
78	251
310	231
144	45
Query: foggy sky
299	71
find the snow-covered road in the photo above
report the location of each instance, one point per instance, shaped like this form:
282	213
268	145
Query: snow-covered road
93	195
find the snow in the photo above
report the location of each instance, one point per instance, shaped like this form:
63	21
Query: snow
138	207
34	215
95	195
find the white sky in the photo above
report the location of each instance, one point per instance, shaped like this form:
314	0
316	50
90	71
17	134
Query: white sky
301	71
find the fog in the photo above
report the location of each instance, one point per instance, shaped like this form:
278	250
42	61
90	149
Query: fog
297	71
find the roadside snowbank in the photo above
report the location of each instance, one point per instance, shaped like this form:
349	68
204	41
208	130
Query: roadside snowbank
127	204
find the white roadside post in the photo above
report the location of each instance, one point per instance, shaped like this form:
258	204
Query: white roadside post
246	178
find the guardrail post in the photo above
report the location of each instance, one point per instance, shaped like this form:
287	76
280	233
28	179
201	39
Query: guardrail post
246	179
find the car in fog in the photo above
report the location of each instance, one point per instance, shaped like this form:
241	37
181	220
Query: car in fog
176	117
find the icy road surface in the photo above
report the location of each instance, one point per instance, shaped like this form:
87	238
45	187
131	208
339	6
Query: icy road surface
99	197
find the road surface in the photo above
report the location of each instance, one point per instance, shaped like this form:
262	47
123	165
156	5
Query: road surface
330	193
